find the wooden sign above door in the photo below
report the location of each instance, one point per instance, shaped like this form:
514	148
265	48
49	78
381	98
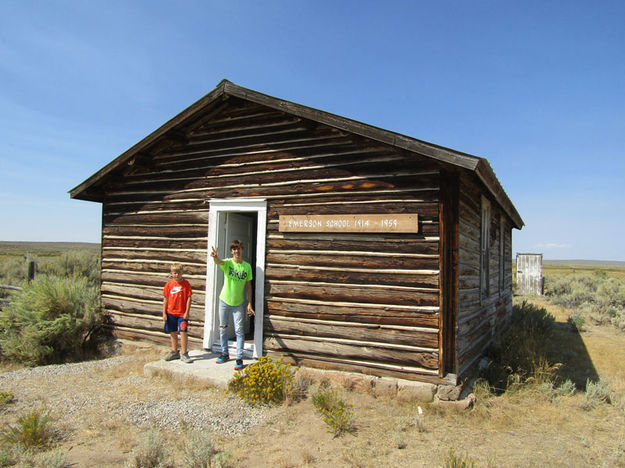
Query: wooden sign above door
383	223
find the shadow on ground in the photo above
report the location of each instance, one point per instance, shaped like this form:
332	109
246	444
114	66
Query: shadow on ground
571	352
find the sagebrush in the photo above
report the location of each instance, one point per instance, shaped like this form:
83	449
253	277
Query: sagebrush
52	320
595	296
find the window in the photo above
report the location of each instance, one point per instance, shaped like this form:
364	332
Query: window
484	250
502	254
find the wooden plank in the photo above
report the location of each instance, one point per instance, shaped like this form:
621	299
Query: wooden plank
370	313
415	336
331	293
373	245
415	265
289	272
428	360
154	280
360	367
142	291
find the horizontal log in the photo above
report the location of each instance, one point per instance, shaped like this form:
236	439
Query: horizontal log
372	175
145	292
174	231
157	279
280	196
346	261
152	266
222	167
340	292
152	324
356	243
293	147
468	282
171	255
425	210
153	207
414	196
428	360
358	314
373	369
338	275
423	337
130	307
177	217
148	335
137	242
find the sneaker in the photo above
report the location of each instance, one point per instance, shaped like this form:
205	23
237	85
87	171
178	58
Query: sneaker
184	357
223	358
239	365
172	355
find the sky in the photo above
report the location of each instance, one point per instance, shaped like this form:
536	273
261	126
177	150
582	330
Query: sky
535	87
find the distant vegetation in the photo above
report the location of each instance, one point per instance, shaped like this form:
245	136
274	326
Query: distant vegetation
57	316
589	295
592	291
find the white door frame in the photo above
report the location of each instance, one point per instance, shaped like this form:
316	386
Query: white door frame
250	205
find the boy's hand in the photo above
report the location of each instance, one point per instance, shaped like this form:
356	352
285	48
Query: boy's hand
250	311
214	252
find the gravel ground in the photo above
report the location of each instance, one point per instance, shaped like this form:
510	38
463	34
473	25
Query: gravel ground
79	394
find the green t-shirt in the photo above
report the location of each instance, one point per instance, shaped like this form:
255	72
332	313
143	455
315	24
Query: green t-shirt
236	275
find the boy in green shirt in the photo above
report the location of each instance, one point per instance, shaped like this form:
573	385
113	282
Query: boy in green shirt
236	291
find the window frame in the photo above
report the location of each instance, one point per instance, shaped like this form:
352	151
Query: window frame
485	248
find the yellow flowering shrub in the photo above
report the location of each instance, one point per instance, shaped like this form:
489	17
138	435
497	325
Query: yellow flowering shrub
337	414
264	382
31	431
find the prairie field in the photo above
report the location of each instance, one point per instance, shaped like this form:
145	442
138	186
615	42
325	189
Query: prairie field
569	412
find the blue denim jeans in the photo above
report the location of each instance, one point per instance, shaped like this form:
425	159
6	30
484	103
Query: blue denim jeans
224	317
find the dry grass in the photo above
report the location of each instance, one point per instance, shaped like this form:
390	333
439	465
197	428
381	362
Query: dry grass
522	428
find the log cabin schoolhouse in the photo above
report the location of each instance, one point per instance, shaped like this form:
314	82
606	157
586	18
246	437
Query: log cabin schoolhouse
372	252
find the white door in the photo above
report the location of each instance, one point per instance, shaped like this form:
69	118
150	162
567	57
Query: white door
240	227
245	220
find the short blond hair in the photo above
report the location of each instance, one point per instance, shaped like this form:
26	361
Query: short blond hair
176	267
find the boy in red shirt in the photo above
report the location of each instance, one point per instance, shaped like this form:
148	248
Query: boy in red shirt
176	305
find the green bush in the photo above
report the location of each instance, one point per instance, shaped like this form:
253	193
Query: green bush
521	353
52	320
264	382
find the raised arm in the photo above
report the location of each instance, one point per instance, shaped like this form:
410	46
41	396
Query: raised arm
216	258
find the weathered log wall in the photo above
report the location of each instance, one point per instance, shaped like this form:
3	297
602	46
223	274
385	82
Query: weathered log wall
480	318
366	302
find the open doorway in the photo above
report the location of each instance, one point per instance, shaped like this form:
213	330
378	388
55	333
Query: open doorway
245	220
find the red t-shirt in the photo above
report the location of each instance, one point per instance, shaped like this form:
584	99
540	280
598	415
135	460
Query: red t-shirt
177	295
